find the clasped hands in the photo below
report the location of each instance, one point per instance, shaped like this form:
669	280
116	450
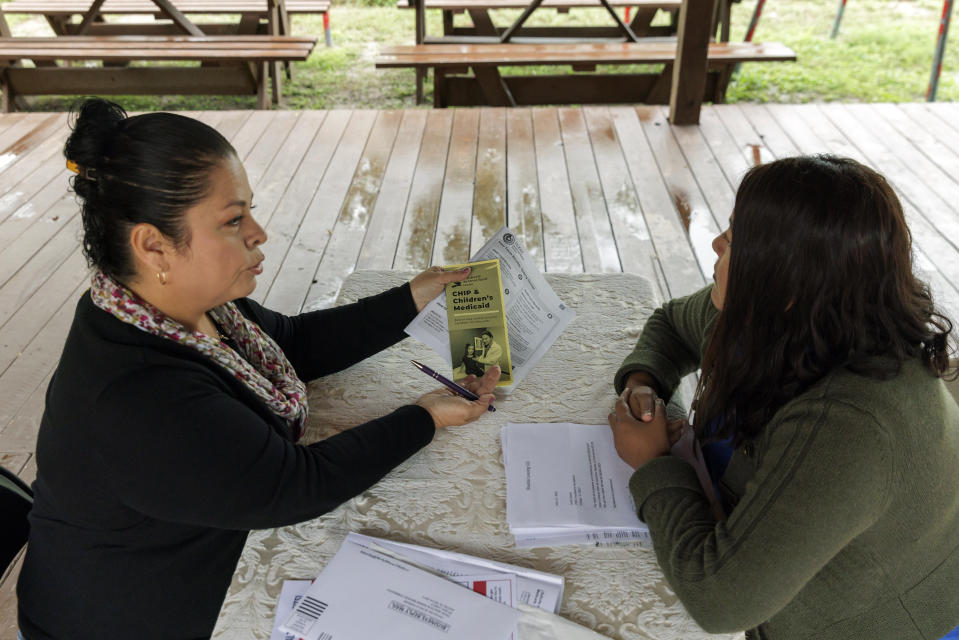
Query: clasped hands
641	431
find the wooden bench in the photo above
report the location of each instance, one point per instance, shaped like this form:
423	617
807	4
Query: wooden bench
233	65
451	87
253	15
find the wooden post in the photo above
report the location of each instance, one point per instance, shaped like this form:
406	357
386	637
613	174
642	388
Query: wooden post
275	12
7	103
689	71
263	95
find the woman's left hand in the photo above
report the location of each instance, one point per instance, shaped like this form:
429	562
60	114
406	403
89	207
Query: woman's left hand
449	410
431	282
638	442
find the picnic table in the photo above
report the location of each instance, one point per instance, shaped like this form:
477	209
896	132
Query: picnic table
484	28
241	58
255	16
693	67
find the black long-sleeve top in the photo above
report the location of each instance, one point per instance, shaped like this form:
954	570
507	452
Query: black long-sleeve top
153	462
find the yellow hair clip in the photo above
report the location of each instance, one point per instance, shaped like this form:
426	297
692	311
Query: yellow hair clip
83	172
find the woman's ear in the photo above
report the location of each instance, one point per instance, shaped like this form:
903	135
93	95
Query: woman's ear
150	248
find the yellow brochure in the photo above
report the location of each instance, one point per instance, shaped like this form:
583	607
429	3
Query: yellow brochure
477	322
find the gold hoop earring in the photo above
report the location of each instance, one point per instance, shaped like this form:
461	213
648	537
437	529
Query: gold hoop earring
161	277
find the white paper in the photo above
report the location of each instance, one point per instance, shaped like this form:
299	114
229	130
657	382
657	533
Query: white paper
535	316
290	596
535	623
363	594
552	537
498	587
565	484
534	588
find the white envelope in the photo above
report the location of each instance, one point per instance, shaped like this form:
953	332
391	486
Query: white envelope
535	588
364	594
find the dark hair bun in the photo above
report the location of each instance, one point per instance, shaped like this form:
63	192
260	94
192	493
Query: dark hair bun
94	129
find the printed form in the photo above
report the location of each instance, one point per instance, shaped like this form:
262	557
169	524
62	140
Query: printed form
565	484
535	316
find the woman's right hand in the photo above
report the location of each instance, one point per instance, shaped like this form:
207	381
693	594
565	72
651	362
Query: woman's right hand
450	410
642	396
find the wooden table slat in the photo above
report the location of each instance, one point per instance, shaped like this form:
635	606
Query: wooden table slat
518	54
462	5
260	41
79	7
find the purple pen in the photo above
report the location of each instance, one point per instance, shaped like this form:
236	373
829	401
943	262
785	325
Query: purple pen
455	388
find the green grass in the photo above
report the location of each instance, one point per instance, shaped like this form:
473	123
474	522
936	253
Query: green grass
883	54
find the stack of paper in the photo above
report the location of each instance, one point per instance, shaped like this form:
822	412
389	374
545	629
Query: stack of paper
374	588
565	484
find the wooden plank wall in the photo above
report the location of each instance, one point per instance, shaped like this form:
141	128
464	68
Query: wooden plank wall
594	189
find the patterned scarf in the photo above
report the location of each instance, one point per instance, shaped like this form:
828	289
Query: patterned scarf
263	367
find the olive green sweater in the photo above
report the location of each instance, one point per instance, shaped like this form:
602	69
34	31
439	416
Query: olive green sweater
846	516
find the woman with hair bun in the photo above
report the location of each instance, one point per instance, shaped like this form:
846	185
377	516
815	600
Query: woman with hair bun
816	493
171	423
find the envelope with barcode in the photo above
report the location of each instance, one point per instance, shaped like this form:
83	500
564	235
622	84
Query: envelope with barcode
364	594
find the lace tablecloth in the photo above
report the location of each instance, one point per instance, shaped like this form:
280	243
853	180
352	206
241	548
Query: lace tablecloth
452	494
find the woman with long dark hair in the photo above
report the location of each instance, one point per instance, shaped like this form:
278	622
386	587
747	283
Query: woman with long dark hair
172	421
817	494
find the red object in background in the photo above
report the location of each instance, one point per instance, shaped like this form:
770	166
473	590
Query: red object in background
940	51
